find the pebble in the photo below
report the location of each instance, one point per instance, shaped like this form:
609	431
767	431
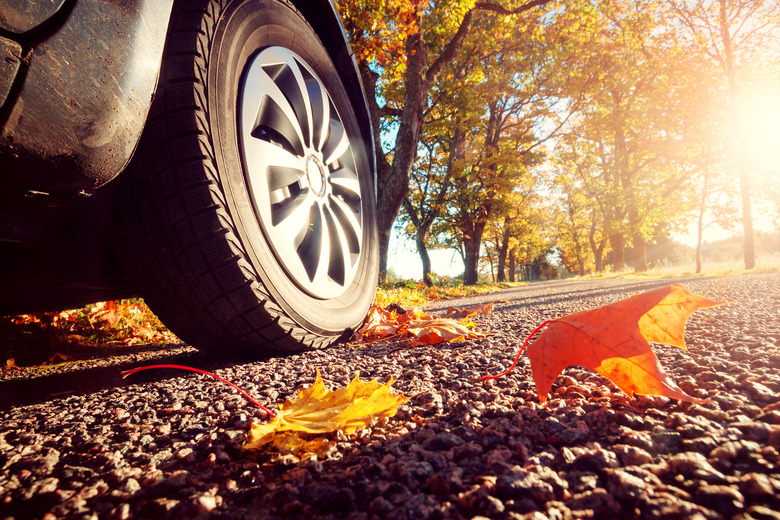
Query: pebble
169	447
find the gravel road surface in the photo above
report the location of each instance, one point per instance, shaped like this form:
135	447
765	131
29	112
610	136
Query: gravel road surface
76	441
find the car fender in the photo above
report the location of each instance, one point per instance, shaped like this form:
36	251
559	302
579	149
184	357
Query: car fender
81	104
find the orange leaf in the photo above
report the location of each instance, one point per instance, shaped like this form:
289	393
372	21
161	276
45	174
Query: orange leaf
394	321
434	331
613	341
475	310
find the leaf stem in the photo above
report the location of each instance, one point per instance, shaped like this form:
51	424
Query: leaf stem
199	371
520	353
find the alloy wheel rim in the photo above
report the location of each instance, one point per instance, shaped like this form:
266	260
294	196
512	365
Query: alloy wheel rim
300	172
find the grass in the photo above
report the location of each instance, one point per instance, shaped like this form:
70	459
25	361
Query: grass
411	293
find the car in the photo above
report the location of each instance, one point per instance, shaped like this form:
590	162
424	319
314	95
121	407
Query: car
214	157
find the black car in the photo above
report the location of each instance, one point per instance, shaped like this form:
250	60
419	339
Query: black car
211	156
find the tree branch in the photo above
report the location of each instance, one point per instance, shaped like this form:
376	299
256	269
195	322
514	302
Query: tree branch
448	53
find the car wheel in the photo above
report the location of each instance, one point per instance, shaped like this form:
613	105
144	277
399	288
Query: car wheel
252	221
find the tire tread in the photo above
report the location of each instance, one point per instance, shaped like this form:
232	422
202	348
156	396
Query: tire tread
197	278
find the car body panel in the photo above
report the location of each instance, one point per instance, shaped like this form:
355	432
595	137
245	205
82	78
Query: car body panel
22	16
76	119
10	59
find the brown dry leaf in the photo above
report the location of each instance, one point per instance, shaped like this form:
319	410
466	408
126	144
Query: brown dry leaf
434	331
613	341
421	328
59	357
318	410
468	312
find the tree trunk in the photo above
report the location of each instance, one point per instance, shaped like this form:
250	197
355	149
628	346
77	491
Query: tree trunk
502	253
597	248
616	241
501	268
744	182
747	218
383	239
422	249
700	226
393	182
512	265
471	276
640	254
472	244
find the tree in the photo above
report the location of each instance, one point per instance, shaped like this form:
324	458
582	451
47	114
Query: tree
571	222
738	36
431	180
433	33
632	120
516	229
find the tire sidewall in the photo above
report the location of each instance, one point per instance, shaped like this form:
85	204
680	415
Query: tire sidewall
245	28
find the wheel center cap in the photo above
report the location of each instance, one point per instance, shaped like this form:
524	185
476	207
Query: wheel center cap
315	174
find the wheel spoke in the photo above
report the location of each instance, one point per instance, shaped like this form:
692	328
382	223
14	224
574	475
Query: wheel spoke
310	250
320	111
280	176
290	220
348	223
275	118
270	168
337	142
337	261
291	83
346	184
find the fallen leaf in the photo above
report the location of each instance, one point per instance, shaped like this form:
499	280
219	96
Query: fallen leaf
59	357
467	312
393	321
613	340
318	410
434	331
10	364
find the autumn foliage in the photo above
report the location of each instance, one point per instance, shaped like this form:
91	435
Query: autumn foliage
417	327
317	410
614	340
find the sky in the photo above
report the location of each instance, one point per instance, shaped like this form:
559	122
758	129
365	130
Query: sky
404	261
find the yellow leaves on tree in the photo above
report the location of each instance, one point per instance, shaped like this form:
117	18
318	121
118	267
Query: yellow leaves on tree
614	340
318	410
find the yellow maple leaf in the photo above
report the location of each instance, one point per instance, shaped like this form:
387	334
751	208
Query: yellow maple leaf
318	410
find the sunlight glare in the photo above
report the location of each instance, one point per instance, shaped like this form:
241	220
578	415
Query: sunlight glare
759	122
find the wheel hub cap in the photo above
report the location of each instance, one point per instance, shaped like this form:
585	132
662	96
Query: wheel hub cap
300	172
315	175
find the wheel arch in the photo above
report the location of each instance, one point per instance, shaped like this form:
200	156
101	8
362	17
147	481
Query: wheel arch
326	21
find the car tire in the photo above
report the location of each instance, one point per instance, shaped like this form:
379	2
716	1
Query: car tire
251	225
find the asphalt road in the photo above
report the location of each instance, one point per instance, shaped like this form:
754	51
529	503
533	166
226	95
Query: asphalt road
77	441
560	290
